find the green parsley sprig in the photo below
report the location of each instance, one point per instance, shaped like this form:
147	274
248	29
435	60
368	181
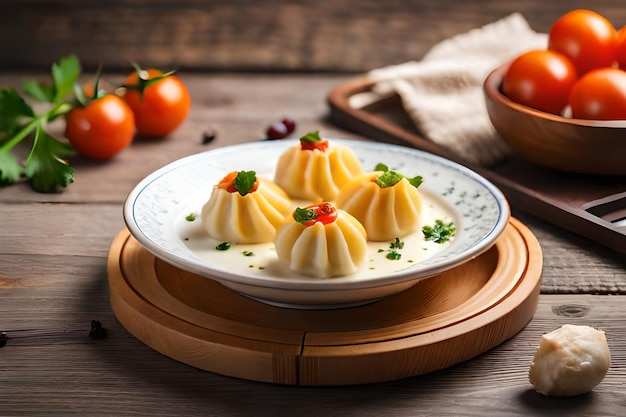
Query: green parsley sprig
302	215
311	137
244	181
389	177
223	246
393	253
44	167
440	232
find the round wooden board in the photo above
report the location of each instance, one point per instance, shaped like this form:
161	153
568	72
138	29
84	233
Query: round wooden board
439	322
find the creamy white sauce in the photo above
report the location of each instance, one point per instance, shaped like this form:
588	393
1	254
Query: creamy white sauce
261	259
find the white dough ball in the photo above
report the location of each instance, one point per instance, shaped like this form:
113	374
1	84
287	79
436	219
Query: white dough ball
570	360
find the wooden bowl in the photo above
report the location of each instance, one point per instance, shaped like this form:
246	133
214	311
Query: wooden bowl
574	145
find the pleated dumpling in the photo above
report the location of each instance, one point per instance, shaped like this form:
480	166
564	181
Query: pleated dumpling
315	169
245	209
386	203
321	241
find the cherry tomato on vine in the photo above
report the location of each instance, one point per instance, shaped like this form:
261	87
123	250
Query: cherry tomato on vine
586	37
101	129
159	107
600	95
541	79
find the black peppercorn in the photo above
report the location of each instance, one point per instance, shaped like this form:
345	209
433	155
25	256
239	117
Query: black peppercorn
208	136
97	332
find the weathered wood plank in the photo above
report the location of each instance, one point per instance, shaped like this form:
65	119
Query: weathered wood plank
53	367
243	35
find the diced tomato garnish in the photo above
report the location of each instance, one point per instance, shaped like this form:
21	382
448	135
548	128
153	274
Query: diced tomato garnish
309	146
227	183
324	213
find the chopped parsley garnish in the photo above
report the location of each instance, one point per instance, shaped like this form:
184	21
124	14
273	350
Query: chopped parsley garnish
396	244
223	246
311	137
302	215
191	217
248	253
389	177
393	253
439	233
244	181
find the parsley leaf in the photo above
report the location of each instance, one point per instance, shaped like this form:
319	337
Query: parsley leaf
393	253
244	181
13	110
389	177
64	74
44	166
10	170
312	137
416	181
439	233
223	246
302	215
396	244
41	93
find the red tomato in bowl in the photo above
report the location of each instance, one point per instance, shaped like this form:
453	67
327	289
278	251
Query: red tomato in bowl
161	107
541	79
586	37
600	95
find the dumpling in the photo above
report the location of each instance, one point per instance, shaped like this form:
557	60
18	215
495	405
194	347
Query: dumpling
321	241
385	202
570	360
315	170
245	209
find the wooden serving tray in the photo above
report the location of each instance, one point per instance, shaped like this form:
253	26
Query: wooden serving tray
439	322
591	206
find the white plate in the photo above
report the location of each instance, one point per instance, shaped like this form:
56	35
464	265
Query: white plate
155	212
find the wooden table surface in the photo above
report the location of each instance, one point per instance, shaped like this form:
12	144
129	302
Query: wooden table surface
53	283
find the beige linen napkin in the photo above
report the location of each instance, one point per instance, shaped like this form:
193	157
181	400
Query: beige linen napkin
443	92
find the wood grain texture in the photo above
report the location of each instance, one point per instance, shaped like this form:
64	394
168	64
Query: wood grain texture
245	35
60	371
